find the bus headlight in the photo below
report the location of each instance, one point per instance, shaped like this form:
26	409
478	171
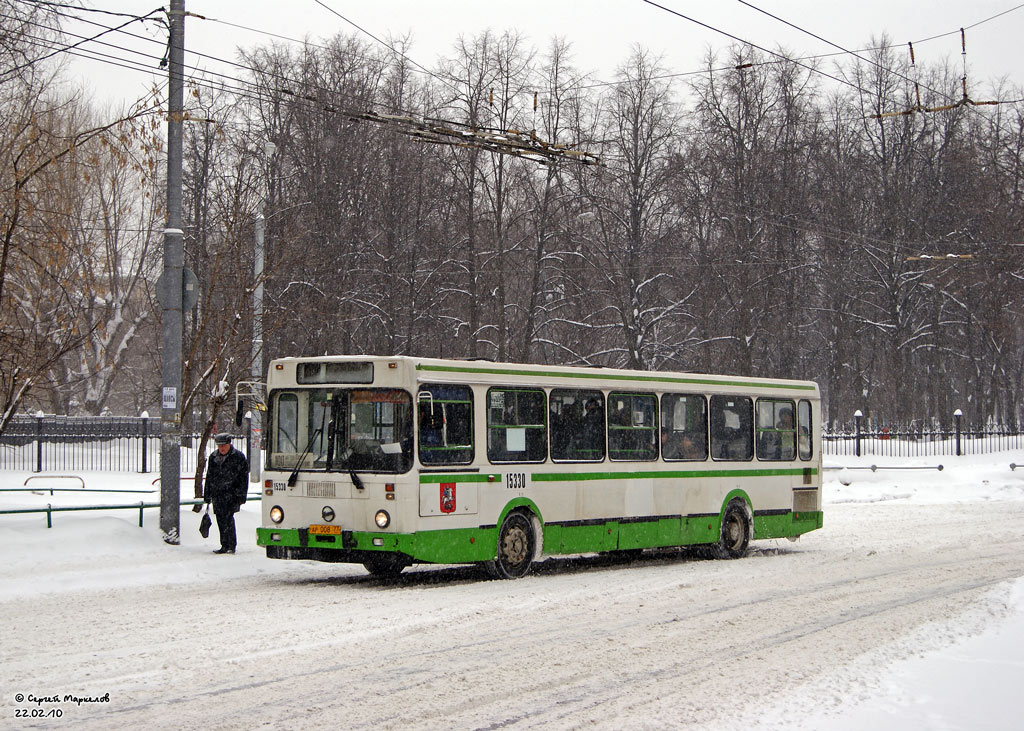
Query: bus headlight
327	514
382	519
276	514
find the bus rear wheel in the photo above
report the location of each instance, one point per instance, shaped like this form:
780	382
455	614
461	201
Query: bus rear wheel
737	530
516	544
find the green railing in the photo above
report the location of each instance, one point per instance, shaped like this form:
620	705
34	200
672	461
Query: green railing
140	506
52	490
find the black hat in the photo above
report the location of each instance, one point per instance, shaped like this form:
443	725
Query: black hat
222	438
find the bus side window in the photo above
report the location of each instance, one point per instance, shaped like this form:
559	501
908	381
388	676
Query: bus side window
577	425
516	425
804	442
732	428
632	426
445	424
684	427
776	432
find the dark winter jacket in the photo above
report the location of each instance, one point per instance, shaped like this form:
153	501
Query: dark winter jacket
227	479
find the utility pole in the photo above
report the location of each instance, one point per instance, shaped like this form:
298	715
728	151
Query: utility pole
171	286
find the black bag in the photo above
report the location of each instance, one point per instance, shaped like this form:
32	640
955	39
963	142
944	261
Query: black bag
204	524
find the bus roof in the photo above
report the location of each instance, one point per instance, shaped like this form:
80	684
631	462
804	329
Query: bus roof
485	371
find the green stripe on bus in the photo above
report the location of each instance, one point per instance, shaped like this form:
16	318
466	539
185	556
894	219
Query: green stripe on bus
688	474
640	475
599	375
787	524
460	545
467	545
459	477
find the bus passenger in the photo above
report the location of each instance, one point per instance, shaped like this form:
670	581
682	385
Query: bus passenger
787	438
680	445
691	449
593	427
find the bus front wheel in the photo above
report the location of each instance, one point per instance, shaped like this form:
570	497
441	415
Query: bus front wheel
737	530
516	544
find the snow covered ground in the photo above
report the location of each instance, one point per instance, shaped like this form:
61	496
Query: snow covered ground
958	674
906	611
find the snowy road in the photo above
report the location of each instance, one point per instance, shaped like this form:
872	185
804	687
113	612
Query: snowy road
665	641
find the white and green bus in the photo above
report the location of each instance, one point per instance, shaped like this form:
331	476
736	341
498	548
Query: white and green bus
389	461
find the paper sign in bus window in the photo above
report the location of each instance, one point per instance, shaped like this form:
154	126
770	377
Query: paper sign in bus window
515	440
679	416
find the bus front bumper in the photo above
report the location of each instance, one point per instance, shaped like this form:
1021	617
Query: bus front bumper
444	546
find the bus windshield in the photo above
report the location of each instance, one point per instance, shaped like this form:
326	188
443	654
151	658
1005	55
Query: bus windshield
341	429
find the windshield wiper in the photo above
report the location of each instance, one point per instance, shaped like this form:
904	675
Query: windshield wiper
312	439
295	473
351	470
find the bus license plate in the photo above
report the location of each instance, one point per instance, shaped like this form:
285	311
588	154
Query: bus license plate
325	530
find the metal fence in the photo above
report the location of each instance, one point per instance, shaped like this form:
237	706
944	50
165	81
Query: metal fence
110	444
918	441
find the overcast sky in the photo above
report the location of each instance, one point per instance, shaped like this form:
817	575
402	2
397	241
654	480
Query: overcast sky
601	31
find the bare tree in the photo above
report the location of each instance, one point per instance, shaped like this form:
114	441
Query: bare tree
637	222
222	180
554	211
112	230
42	139
470	77
754	129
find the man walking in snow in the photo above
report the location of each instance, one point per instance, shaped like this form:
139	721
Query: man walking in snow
227	475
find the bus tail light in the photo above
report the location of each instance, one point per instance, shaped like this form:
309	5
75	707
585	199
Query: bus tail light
389	491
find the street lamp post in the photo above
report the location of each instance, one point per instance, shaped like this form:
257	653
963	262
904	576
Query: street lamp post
957	416
857	415
255	422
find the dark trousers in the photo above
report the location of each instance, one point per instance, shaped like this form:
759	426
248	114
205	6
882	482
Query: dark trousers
226	525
